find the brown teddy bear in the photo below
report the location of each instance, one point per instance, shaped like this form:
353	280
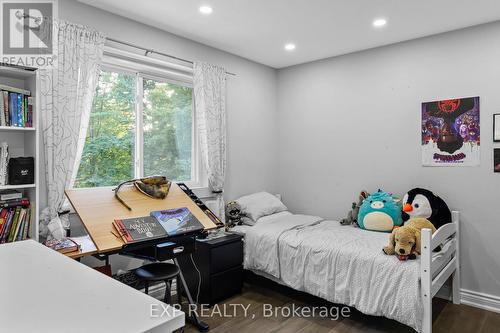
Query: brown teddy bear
405	241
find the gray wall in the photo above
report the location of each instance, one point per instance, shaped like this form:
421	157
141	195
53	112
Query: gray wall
353	122
251	95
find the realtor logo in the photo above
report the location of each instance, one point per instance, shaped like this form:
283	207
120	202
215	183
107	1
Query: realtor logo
26	32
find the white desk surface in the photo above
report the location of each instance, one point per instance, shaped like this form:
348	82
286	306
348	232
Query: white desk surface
44	291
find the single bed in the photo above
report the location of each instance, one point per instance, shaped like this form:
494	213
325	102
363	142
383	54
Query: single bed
346	265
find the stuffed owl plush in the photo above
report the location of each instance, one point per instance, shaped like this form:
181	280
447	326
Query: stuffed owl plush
233	214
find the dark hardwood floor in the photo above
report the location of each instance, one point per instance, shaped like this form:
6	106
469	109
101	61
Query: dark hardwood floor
447	316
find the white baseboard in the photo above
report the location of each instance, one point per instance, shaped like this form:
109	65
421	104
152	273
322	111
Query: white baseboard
480	300
473	298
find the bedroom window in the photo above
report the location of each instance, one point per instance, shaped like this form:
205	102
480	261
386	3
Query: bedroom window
140	125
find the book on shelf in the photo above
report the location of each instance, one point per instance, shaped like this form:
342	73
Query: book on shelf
2	111
16	107
10	195
12	203
15	90
15	223
26	226
5	115
4	157
29	110
64	245
178	221
3	221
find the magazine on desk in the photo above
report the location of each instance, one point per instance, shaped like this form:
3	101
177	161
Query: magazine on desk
178	221
162	223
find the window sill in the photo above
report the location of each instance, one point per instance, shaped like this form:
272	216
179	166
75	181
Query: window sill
203	192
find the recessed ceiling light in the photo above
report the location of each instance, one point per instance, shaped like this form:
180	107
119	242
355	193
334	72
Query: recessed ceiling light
379	23
290	47
206	10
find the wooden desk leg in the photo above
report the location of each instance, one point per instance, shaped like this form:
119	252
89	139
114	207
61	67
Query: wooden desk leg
193	318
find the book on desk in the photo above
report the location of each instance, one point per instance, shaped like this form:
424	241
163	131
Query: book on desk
161	223
64	245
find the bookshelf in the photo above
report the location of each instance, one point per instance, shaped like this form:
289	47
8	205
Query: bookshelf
24	141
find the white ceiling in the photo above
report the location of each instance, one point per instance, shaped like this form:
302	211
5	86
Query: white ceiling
258	29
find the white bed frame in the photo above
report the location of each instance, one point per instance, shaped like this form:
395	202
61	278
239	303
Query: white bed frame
440	267
433	267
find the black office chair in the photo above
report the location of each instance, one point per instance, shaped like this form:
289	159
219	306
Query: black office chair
160	271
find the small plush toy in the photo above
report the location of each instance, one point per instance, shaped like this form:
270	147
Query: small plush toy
233	214
380	211
405	241
419	202
352	216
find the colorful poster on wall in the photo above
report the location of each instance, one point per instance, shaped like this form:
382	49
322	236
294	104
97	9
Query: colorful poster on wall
450	132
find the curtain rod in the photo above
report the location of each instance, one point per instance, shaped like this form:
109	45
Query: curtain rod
150	51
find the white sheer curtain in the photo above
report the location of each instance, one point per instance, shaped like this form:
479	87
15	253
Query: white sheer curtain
210	110
66	97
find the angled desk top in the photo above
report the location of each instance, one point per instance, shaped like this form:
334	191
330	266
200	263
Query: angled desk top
98	207
45	291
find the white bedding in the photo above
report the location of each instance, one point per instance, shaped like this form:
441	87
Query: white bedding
341	264
240	229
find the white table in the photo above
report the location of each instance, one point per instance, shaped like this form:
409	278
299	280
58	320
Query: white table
44	291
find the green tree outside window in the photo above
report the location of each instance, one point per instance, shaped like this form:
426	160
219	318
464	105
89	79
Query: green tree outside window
108	154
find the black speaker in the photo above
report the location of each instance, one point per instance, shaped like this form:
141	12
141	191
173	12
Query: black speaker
21	170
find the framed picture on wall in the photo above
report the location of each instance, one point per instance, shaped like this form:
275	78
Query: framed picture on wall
496	160
496	127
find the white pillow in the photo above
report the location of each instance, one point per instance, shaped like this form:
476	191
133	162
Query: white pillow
260	204
264	219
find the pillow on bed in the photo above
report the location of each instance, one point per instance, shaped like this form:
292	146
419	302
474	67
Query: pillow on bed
264	219
260	204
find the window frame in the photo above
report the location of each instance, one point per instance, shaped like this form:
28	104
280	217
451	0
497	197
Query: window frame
199	178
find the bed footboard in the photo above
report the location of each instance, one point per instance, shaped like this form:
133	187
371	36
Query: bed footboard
435	270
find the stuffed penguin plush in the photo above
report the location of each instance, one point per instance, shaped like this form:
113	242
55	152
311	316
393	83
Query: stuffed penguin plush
419	202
